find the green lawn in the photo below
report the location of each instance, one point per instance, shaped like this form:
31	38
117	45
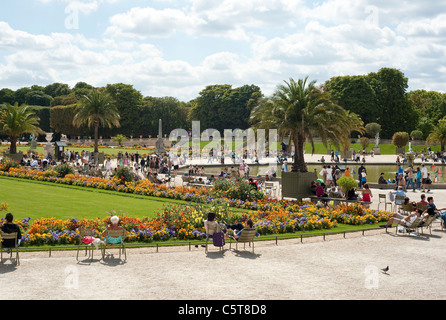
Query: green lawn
27	198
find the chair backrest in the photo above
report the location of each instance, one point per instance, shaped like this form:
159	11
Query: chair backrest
407	207
429	221
422	206
382	196
115	233
399	198
9	236
415	223
86	232
247	235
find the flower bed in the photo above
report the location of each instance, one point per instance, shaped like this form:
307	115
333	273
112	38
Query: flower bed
180	222
185	222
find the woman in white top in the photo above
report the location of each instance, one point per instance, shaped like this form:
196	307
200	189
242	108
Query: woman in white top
210	224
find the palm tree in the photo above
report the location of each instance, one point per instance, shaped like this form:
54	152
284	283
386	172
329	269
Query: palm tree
304	111
16	120
438	134
97	109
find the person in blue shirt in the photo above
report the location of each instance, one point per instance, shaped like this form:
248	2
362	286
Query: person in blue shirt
248	226
432	210
399	192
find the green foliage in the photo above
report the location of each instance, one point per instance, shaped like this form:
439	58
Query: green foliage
417	134
236	188
61	121
223	107
400	139
119	138
173	113
347	183
372	129
364	142
124	174
354	93
303	111
63	169
439	134
16	120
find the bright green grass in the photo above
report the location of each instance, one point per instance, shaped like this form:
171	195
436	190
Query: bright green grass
27	198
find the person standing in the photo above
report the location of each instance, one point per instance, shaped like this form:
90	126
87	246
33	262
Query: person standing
360	170
409	180
418	179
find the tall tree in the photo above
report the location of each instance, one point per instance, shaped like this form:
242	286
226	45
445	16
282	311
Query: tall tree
304	111
97	109
16	120
223	107
354	93
173	113
390	87
128	102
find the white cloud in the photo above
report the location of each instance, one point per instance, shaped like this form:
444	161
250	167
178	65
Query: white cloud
280	39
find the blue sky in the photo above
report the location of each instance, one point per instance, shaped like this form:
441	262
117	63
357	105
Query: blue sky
176	48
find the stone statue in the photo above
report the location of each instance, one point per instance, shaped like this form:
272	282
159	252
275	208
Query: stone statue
377	140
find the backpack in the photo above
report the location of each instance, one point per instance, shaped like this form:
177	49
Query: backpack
218	239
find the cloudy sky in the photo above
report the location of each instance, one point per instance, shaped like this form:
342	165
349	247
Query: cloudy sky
177	47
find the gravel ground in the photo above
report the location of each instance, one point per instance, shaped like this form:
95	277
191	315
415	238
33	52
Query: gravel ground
336	268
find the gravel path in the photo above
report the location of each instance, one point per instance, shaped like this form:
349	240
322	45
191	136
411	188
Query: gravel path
336	268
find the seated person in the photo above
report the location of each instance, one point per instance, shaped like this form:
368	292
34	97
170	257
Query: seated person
351	195
399	192
10	227
422	202
320	192
381	179
432	210
210	223
313	187
114	226
405	221
335	193
248	226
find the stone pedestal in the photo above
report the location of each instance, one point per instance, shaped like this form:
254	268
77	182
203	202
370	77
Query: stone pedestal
376	150
297	184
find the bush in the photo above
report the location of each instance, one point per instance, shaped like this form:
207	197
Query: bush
64	169
417	135
236	188
400	139
372	129
347	183
123	175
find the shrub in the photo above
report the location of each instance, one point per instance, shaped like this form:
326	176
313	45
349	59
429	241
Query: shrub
63	170
400	139
347	183
123	175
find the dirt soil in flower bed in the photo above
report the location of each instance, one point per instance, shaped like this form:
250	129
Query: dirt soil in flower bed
334	268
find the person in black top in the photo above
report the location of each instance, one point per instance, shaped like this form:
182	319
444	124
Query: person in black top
10	227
